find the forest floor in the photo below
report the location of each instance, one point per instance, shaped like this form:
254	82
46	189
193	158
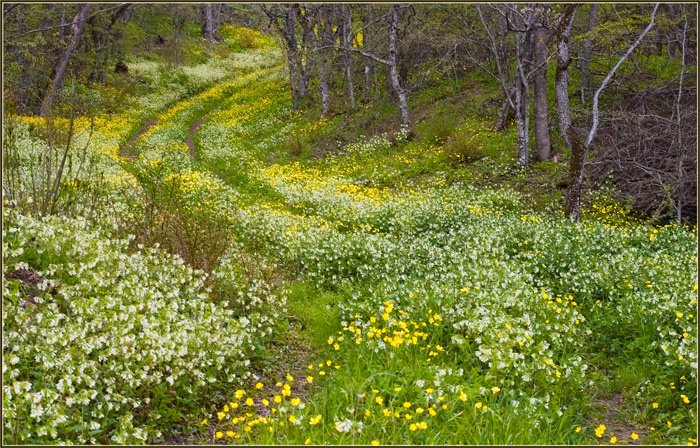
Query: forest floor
382	289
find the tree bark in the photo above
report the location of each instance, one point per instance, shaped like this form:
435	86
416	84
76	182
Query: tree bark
587	53
325	32
400	91
680	187
522	118
522	89
580	149
540	83
368	84
207	22
504	113
57	80
346	33
561	78
308	46
367	39
508	102
571	139
391	64
292	54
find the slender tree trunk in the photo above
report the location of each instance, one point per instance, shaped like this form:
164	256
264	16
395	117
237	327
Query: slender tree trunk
367	39
375	77
579	150
680	187
325	100
325	32
561	78
216	20
587	53
292	54
505	112
507	104
400	91
571	139
62	30
309	45
103	71
522	97
368	83
522	117
57	80
346	33
207	22
540	83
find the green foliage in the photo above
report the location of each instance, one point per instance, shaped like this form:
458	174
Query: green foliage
463	149
442	309
439	127
113	346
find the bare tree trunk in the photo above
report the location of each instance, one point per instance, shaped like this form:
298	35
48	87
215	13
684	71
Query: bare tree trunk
368	83
308	45
400	91
75	30
207	22
103	71
507	104
561	78
216	20
522	96
540	83
376	81
680	187
391	64
579	150
292	54
587	53
366	40
62	30
346	33
504	113
522	118
326	37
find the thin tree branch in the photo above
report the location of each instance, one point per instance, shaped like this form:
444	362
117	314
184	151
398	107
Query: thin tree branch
607	79
39	30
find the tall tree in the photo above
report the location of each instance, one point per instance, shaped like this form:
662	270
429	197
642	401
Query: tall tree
307	57
345	28
561	78
579	148
284	19
587	52
499	51
391	62
522	21
210	21
62	65
540	34
325	50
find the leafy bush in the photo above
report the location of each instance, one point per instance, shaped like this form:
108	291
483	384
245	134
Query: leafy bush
462	149
110	346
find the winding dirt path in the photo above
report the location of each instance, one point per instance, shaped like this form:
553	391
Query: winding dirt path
189	141
125	149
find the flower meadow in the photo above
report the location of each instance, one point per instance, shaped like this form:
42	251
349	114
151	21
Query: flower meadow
421	310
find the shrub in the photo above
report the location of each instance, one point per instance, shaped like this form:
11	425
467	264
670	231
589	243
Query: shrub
462	149
108	346
437	129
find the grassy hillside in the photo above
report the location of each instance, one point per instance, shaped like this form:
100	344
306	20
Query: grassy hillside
248	274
